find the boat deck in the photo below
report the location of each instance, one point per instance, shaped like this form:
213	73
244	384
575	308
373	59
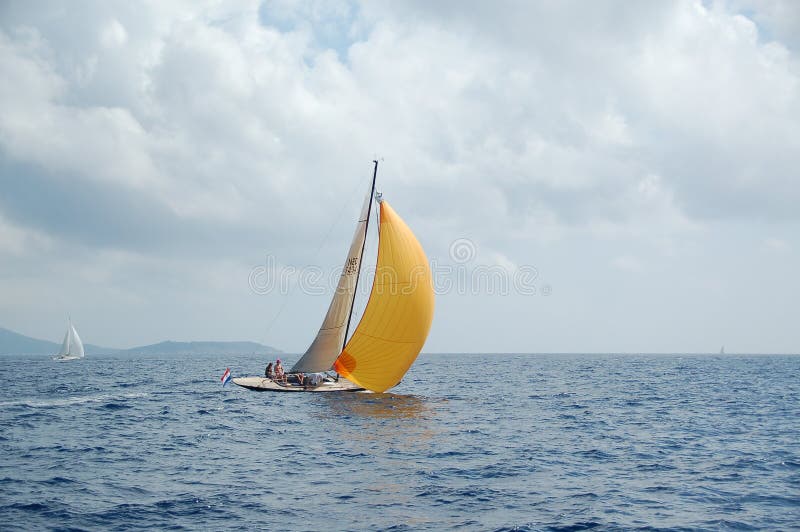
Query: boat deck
263	384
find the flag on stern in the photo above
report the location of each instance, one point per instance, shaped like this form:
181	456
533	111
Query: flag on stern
226	377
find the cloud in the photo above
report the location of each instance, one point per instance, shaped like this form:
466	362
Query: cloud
778	21
213	133
547	127
17	241
113	34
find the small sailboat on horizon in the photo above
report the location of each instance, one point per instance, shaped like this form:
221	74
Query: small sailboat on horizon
393	327
71	347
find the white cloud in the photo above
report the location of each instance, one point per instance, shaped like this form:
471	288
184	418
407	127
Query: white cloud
19	241
113	34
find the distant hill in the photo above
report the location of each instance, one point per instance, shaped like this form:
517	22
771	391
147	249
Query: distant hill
13	343
201	348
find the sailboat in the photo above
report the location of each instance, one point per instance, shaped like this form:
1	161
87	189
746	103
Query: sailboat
393	327
71	347
722	350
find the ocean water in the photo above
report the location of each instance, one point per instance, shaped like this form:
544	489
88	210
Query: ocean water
465	442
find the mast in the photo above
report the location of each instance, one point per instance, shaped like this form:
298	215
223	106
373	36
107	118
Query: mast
363	245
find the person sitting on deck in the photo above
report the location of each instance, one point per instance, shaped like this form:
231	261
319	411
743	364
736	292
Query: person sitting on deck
268	373
301	379
280	375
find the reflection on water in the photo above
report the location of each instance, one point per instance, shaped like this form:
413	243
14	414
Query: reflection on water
374	405
406	422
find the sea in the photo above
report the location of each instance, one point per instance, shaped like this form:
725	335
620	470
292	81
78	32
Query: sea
465	442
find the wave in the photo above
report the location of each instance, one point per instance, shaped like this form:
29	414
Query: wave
70	401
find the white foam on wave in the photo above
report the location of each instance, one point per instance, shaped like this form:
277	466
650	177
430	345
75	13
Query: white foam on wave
69	401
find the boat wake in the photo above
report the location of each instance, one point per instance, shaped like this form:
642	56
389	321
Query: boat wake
69	401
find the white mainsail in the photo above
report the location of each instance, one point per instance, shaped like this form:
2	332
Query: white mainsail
72	346
329	341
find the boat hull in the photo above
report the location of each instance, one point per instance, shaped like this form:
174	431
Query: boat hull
262	384
66	358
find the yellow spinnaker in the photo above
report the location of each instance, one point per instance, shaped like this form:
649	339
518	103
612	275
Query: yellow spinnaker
398	316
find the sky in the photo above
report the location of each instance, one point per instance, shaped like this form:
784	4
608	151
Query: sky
584	176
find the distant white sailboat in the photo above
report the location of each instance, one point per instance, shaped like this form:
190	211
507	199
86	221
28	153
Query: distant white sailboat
71	347
722	350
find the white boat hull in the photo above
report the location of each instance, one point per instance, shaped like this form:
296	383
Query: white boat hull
262	384
65	358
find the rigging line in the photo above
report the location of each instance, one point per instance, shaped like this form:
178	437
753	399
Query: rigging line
322	243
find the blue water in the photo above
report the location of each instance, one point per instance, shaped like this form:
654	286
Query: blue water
549	442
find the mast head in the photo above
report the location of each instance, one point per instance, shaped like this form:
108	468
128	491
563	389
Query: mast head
378	196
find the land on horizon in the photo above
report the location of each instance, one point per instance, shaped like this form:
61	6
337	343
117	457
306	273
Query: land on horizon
14	343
